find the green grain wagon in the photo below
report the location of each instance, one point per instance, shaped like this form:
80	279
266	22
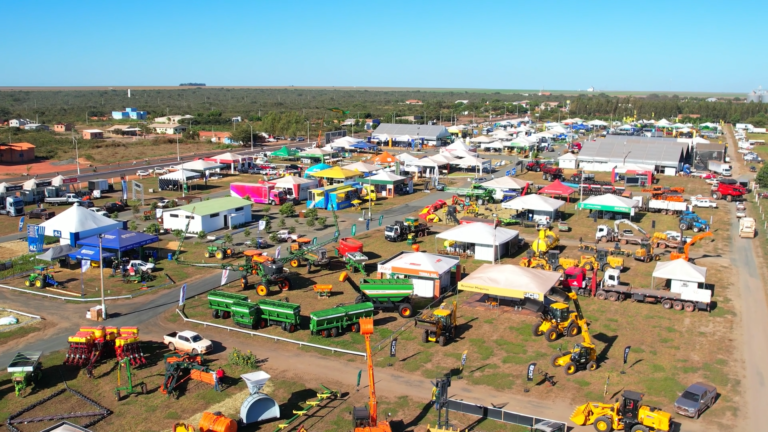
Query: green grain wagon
287	314
221	303
331	322
246	314
385	294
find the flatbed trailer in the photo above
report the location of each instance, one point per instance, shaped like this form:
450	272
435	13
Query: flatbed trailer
690	301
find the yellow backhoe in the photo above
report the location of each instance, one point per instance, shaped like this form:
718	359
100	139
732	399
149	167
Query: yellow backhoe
629	414
550	260
583	355
556	320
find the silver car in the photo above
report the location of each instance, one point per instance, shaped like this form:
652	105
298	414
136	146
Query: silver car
695	399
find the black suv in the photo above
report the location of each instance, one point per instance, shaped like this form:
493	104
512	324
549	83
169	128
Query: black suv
113	207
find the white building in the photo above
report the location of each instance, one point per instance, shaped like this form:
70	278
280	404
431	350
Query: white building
35	126
431	274
172	119
209	216
169	129
18	122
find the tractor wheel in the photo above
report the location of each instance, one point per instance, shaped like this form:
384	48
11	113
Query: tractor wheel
553	360
666	304
355	328
38	283
27	283
117	395
262	290
606	266
284	285
689	307
334	332
661	245
219	255
294	263
207	255
194	352
592	366
683	226
716	195
612	296
551	334
425	336
573	329
560	269
729	198
442	340
535	329
678	306
405	310
696	229
215	314
603	424
623	241
291	328
570	368
601	295
656	257
325	333
640	428
588	266
263	323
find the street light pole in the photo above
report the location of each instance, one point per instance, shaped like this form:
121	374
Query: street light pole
251	126
178	153
77	155
101	273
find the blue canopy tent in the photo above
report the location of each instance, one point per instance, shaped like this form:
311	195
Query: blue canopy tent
313	168
91	253
120	240
363	146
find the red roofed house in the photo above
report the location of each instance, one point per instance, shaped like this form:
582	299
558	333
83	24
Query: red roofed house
413	102
17	152
215	136
62	127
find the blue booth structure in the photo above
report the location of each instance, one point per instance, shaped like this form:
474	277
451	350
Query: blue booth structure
119	241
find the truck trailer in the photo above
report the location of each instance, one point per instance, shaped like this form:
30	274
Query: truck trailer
721	168
261	193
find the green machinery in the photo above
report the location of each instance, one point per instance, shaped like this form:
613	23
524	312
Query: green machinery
41	279
325	395
260	314
355	261
130	388
25	369
221	303
384	294
475	192
181	367
332	322
218	250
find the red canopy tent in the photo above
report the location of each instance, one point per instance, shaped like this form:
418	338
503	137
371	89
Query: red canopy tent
557	188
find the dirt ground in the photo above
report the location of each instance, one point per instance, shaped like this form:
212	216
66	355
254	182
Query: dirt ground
13	249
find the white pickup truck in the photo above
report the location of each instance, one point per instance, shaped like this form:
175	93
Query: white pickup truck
702	201
69	198
187	341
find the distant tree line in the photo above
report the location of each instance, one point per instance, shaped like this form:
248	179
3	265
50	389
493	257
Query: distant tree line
192	85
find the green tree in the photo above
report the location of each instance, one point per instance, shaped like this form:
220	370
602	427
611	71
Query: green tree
281	223
201	235
287	209
247	232
311	213
321	221
267	224
242	134
153	205
228	238
135	209
248	198
310	223
273	237
179	234
133	226
762	176
267	208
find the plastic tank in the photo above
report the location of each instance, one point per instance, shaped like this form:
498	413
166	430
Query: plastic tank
546	241
215	422
349	244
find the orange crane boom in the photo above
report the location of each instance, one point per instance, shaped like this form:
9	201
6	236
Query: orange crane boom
687	247
366	329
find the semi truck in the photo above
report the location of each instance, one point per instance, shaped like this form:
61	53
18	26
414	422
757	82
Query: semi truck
400	230
261	193
605	234
721	168
14	206
666	207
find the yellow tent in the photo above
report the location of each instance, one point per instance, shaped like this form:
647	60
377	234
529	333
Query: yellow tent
335	173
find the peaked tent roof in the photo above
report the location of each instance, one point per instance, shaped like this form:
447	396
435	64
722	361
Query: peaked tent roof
228	158
57	181
363	167
289	180
458	145
335	173
479	233
30	184
316	152
567	156
556	188
57	252
506	279
120	239
77	219
471	161
199	165
179	175
386	175
533	202
384	158
680	270
422	131
610	200
284	152
405	157
318	167
422	261
506	183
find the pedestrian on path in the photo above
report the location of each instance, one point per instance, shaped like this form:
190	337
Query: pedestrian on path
215	380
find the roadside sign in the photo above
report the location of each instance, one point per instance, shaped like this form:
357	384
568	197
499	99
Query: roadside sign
508	173
381	220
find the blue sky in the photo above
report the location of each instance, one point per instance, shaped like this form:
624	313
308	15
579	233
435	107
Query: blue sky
651	45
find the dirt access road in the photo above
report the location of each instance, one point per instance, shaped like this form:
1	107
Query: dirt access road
754	310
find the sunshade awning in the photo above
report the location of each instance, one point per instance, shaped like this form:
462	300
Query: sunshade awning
680	269
510	281
120	239
533	202
90	253
479	233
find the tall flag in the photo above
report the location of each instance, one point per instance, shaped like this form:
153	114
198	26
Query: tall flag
277	252
84	264
183	295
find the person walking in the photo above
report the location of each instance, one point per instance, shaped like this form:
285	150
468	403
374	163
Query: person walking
215	380
219	376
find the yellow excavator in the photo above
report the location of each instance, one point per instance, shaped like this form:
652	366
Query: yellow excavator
682	251
583	356
630	415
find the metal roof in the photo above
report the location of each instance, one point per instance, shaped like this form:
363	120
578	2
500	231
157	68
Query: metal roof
216	205
635	150
422	131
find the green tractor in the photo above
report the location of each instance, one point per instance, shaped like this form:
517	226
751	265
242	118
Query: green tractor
218	250
41	279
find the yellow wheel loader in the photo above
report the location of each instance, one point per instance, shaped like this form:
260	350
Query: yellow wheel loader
551	262
628	415
583	356
555	320
439	325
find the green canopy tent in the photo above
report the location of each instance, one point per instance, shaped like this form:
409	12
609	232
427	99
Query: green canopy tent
284	152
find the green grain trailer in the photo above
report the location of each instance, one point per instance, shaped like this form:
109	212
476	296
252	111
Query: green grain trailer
246	314
332	322
221	303
385	294
287	314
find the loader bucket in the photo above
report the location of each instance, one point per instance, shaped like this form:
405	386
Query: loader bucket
533	305
581	414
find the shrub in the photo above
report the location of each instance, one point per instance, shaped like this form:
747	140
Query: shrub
267	224
321	221
273	237
228	238
201	235
248	198
311	213
152	228
292	230
267	208
287	209
247	232
133	226
172	204
179	234
310	223
153	205
135	209
281	223
244	359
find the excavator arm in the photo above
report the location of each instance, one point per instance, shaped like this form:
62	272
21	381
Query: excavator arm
688	245
581	320
630	223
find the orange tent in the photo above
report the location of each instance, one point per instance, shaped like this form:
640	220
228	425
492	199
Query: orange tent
384	158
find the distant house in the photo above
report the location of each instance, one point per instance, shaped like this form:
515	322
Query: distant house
545	94
17	152
521	103
237	119
462	101
169	129
348	122
124	130
35	126
591	89
63	127
549	105
413	102
129	113
18	122
711	99
682	116
172	119
221	137
93	134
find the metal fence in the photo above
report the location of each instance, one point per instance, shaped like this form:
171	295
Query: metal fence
499	414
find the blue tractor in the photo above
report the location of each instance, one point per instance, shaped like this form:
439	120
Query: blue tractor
690	220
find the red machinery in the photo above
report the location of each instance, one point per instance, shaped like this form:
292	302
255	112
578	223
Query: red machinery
729	189
577	280
366	419
91	344
347	245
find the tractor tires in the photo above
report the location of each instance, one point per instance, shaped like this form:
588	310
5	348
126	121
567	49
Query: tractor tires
603	424
334	332
262	290
215	314
588	266
623	241
560	269
696	229
592	366
551	334
207	255
284	284
641	428
612	296
689	307
573	330
219	255
117	395
405	310
570	368
27	283
717	195
666	304
678	306
553	360
355	328
38	283
661	245
295	263
601	295
442	341
606	267
171	346
729	198
683	226
535	329
425	336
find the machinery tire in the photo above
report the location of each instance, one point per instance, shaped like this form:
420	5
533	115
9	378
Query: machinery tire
661	245
612	296
171	346
551	334
294	263
696	229
219	255
729	198
291	328
592	366
683	226
535	329
215	314
207	255
27	283
603	424
442	341
689	307
284	326
334	332
560	269
263	323
588	266
678	306
284	285
425	336
666	304
623	241
601	295
38	283
606	266
194	351
716	195
641	428
570	368
355	328
405	310
573	330
524	263
262	290
656	257
117	395
553	359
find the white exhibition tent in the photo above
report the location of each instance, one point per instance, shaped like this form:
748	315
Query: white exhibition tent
597	123
315	152
490	243
57	181
444	158
495	144
511	281
608	201
680	269
180	175
501	134
482	139
406	158
386	176
363	167
30	184
543	208
199	165
471	162
292	180
505	183
458	145
77	223
463	154
567	161
663	122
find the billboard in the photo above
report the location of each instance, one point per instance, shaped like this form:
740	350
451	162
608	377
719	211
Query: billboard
332	136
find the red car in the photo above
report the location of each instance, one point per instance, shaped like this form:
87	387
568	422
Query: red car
705	176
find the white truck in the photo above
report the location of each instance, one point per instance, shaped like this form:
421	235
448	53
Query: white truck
721	168
747	228
702	201
666	207
69	198
682	295
187	341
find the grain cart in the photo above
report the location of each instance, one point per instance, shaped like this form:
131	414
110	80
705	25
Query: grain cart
629	415
220	303
332	322
384	294
25	369
439	325
274	312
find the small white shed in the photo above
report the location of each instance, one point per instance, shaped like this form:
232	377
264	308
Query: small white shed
431	274
209	216
567	161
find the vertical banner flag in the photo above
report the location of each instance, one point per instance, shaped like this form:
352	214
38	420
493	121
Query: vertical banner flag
626	353
359	374
21	223
183	295
32	240
277	252
124	183
224	275
314	240
354	229
84	264
463	359
393	348
613	174
262	224
381	220
514	171
367	224
531	370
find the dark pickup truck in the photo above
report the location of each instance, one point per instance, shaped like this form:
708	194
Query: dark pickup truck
41	214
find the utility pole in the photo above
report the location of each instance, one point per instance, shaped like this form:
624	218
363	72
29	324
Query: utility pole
101	273
251	126
77	155
178	153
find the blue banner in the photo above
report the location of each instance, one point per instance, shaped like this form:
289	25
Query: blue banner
354	229
125	190
35	238
21	224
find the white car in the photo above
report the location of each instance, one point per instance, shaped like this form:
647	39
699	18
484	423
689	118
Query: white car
702	201
675	236
141	265
164	204
143	173
99	211
161	170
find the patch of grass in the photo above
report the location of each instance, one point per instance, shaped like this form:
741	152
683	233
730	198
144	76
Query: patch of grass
581	382
497	380
481	348
662	387
716	375
638	350
656	368
171	415
18	333
416	362
688	369
670	329
523	330
665	340
609	327
490	320
510	347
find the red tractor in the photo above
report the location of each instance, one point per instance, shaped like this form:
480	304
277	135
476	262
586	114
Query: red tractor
550	173
729	189
535	165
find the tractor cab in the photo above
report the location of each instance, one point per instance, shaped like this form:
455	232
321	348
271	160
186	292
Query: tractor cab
444	316
300	243
630	406
549	426
601	255
553	258
582	354
559	312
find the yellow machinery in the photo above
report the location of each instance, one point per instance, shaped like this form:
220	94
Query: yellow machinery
629	414
683	254
583	355
602	260
547	240
645	253
551	261
365	419
369	192
556	320
439	326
